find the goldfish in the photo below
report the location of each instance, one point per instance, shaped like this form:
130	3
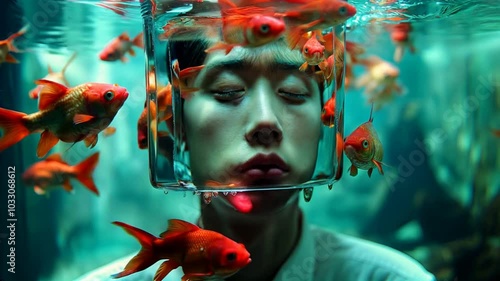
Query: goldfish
201	253
364	149
380	79
116	48
314	15
400	36
58	77
313	53
179	80
54	171
66	114
164	111
248	31
7	45
328	113
333	66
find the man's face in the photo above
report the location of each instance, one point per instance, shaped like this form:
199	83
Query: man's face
255	120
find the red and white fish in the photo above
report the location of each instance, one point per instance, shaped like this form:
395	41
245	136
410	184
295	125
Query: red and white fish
364	149
66	114
58	77
202	254
53	172
7	46
402	39
119	46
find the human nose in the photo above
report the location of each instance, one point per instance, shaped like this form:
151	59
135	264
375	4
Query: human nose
264	126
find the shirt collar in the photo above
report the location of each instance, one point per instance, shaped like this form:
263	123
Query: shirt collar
300	264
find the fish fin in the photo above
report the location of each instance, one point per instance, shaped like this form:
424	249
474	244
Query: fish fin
163	134
131	51
370	172
82	118
35	92
84	171
109	131
47	141
10	58
49	69
378	164
165	269
145	258
55	157
176	227
90	140
38	190
12	127
353	170
67	186
68	63
139	40
124	36
304	66
187	92
50	93
220	46
398	53
124	59
190	71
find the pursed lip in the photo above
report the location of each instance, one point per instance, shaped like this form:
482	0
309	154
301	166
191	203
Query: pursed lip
264	163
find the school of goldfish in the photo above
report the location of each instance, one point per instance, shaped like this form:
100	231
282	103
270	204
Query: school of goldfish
79	113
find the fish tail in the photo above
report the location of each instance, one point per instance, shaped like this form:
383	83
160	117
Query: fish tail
84	171
68	63
145	258
11	38
13	128
139	40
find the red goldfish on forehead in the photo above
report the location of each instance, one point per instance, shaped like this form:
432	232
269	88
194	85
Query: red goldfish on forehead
364	149
53	171
118	47
314	15
248	31
202	254
58	77
66	114
7	46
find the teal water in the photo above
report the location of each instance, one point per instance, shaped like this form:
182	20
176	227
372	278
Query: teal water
442	158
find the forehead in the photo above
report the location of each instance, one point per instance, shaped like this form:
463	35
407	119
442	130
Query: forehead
272	56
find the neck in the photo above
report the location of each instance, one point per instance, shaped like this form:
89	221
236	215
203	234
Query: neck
269	238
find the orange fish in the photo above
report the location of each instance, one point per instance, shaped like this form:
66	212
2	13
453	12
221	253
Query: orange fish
251	30
66	114
58	77
201	253
328	113
109	131
119	46
53	172
179	81
400	36
315	14
164	111
313	52
364	149
333	66
7	46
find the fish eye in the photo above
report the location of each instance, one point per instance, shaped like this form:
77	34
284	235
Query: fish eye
343	10
231	256
306	50
264	28
109	95
365	143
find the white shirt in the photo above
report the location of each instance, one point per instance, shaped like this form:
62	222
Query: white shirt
320	255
